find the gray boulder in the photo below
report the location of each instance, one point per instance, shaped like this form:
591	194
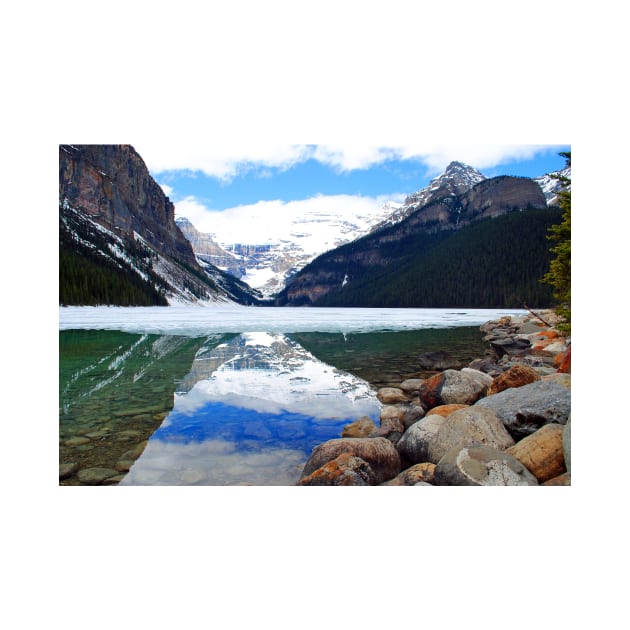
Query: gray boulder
416	442
430	438
452	387
481	466
523	410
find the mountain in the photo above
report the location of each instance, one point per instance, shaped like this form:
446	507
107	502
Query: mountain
118	241
456	179
266	249
550	185
438	223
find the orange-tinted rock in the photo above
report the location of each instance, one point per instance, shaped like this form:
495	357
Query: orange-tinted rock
419	472
541	452
344	470
517	376
414	474
561	480
445	410
378	452
565	365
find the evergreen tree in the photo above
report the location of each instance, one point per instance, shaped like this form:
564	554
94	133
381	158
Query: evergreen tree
559	274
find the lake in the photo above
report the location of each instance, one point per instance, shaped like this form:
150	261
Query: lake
231	395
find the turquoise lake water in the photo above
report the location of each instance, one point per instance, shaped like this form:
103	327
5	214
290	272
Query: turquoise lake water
225	408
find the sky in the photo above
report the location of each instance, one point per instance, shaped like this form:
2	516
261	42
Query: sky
203	180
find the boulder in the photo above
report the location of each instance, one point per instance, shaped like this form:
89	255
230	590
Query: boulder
391	411
451	386
561	480
391	428
509	346
428	439
557	377
344	470
391	395
438	360
420	472
565	364
541	452
472	425
487	366
516	376
413	475
378	452
484	380
411	413
415	444
411	385
523	410
481	465
566	444
446	410
359	428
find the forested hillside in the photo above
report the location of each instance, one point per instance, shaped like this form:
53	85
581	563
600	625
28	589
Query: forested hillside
87	277
494	263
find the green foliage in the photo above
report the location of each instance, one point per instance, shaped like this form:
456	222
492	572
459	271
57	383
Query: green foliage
87	277
559	273
492	263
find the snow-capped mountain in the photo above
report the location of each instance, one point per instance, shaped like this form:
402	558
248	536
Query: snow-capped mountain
455	180
265	246
550	185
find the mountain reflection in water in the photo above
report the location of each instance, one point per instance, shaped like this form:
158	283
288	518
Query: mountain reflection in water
224	409
249	412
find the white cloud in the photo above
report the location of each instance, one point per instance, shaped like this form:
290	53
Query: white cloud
168	190
225	160
272	221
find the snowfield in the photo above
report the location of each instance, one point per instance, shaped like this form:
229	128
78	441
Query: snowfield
199	320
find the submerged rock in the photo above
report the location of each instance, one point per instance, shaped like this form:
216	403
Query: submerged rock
67	470
438	360
96	476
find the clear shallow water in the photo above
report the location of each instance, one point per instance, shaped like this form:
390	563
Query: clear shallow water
230	406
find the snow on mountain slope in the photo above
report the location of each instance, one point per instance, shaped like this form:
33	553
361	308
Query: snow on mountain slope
272	240
551	186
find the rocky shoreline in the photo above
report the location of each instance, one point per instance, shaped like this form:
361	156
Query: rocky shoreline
503	420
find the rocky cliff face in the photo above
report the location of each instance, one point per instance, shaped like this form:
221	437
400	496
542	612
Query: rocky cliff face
113	215
210	251
112	185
